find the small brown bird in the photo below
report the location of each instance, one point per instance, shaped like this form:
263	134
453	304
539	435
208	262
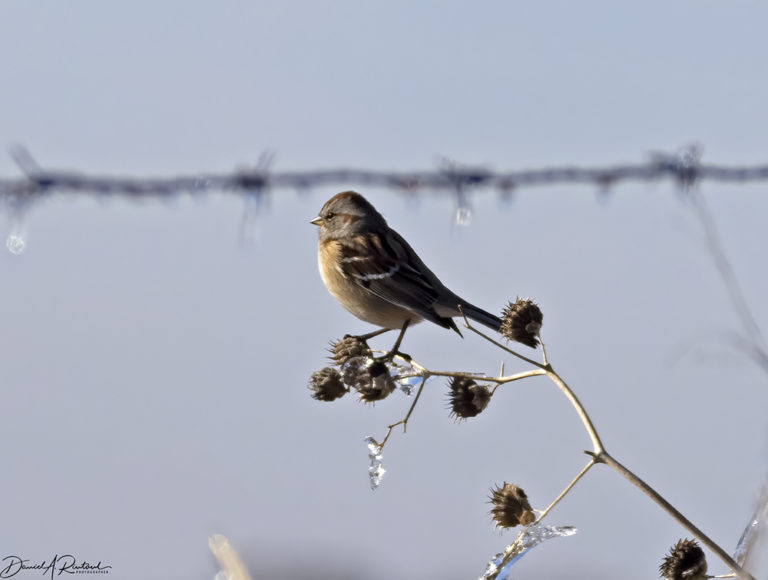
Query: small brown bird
373	272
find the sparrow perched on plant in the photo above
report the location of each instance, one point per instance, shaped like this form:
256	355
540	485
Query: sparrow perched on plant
376	275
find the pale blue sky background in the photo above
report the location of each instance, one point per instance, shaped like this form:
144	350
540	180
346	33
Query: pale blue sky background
154	367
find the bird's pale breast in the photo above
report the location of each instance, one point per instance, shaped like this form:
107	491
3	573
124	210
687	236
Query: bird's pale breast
359	301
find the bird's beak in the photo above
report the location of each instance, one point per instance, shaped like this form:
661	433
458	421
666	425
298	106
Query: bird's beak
318	221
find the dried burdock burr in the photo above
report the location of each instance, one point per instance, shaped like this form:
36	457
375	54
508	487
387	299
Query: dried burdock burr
521	321
348	347
326	385
510	506
685	561
371	379
467	398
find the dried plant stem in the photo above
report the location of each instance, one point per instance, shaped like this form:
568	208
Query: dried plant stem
600	455
474	376
425	373
566	490
607	459
481	377
543	352
516	377
597	444
404	420
502	347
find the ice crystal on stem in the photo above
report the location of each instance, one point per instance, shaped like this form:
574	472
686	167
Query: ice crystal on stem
412	379
530	537
375	470
754	535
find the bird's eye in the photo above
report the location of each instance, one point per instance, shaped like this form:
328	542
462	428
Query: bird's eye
329	215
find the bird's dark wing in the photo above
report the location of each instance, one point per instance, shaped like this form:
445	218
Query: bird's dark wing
387	266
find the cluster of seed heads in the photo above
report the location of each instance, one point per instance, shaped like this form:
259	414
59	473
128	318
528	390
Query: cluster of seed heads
353	368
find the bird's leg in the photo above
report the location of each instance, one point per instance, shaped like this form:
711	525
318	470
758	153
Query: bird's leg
372	334
394	351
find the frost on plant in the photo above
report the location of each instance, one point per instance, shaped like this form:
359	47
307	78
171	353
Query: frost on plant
530	537
375	470
754	530
407	376
407	384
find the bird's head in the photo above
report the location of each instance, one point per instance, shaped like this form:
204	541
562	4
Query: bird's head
346	214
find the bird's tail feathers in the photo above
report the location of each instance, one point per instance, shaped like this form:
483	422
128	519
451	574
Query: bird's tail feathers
479	315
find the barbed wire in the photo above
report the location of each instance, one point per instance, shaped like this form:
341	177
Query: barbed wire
684	168
18	196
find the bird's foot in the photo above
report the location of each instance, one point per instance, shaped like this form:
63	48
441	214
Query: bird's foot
390	356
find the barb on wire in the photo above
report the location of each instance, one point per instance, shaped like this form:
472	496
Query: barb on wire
254	184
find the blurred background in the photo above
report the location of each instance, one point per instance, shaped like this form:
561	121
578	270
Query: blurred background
155	356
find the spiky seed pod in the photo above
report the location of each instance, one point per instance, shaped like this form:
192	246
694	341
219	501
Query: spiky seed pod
685	561
326	385
348	347
521	321
379	384
510	506
467	398
371	379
